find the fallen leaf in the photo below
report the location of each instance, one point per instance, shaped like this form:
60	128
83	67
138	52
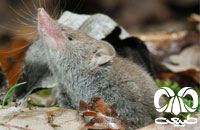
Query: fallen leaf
194	18
186	63
192	73
164	44
100	115
189	58
11	58
100	106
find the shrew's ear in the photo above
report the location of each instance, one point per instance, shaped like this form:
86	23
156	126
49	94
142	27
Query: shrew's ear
49	30
103	54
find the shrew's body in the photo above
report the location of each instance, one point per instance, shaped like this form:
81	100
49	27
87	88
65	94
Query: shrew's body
84	67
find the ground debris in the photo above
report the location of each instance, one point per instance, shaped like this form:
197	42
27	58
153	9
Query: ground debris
194	18
175	55
186	63
100	115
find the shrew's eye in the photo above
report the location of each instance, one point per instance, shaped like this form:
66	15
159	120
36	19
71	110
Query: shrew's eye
70	38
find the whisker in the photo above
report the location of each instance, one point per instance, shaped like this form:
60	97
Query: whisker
29	33
49	7
59	12
23	23
56	8
78	5
56	12
69	14
65	5
2	51
17	52
44	3
3	27
40	4
26	7
25	18
10	29
31	17
18	72
19	33
34	5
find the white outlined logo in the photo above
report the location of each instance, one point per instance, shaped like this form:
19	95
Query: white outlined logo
176	104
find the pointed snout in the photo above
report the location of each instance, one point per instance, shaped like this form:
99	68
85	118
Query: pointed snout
43	20
47	25
42	13
49	30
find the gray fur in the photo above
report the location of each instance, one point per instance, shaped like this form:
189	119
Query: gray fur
121	83
35	72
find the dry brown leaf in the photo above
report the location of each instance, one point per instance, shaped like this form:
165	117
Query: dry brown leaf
102	115
186	63
194	18
192	73
189	58
162	37
11	58
100	106
167	75
163	44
